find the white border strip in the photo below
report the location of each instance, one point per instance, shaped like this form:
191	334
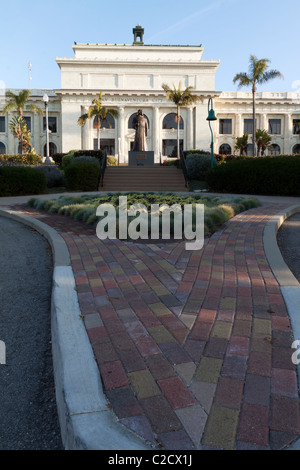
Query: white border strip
86	420
289	285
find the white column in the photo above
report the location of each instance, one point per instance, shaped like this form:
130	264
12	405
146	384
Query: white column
12	147
238	126
263	122
156	134
121	135
35	134
71	132
288	133
203	134
190	129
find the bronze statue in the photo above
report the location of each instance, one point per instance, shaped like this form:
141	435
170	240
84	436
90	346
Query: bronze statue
140	124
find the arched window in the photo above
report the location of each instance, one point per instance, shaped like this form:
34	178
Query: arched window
225	149
2	149
130	121
170	121
105	125
274	150
296	149
52	149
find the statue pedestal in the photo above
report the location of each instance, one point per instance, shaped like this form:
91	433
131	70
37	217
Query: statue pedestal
141	158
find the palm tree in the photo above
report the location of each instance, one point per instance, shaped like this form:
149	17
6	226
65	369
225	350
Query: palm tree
258	74
19	102
263	141
180	98
18	127
242	144
101	113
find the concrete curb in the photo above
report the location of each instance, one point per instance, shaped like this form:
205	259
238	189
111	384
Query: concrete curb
289	285
86	420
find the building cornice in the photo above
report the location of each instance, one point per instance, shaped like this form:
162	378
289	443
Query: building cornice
214	64
119	94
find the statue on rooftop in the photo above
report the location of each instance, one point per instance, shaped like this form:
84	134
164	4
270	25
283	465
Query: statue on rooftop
140	124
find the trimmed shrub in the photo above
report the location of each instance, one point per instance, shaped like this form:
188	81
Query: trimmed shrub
197	165
260	175
89	153
82	176
57	157
193	151
66	160
112	161
15	181
20	160
54	176
86	159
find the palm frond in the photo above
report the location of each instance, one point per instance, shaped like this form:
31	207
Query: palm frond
270	75
82	120
35	108
243	79
8	107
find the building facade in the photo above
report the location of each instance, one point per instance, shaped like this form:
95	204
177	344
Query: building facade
130	77
35	123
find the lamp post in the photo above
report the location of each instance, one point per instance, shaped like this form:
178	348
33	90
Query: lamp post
211	117
47	159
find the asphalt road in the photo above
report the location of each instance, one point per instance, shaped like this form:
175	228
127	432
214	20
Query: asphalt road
28	414
288	239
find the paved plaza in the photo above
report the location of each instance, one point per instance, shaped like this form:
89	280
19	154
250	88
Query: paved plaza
194	348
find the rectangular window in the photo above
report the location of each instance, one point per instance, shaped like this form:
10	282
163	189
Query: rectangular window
248	126
52	124
27	120
225	126
169	147
274	126
296	126
2	123
108	144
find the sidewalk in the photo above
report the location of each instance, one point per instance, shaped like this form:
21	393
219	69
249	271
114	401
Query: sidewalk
194	348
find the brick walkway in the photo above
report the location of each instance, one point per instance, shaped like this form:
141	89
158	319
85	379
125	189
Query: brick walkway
194	348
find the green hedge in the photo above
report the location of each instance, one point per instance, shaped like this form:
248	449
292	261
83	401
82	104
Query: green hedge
229	158
57	157
89	153
82	176
257	175
198	164
15	181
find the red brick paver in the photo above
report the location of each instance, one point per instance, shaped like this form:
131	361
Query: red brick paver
194	348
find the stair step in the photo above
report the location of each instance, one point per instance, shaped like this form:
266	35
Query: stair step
125	178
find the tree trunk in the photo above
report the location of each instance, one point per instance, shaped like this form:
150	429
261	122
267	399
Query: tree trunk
254	122
98	132
21	130
178	124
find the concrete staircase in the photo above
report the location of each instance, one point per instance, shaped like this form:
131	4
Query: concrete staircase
156	178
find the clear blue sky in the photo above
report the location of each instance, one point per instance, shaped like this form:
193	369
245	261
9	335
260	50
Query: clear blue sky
229	30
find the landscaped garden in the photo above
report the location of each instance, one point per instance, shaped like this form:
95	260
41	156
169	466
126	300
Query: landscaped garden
217	211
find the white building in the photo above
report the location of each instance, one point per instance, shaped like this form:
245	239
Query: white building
35	123
131	77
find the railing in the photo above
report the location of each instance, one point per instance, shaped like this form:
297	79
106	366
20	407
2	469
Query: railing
184	168
103	168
